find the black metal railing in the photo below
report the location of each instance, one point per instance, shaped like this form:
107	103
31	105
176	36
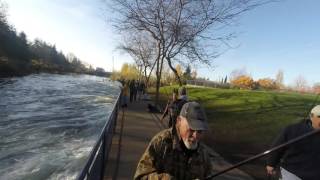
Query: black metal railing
95	165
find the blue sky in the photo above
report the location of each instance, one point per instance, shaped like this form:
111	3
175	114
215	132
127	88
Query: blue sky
282	35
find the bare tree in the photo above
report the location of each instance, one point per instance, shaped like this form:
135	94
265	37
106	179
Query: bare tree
279	79
236	73
3	15
300	83
3	10
142	51
316	88
183	30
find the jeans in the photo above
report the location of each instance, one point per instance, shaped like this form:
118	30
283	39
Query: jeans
286	175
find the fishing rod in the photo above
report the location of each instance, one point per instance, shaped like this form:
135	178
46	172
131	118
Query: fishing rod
265	153
165	91
168	101
292	141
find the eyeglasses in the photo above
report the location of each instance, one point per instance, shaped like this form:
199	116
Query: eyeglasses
192	131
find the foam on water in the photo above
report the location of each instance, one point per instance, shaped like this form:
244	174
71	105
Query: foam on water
49	123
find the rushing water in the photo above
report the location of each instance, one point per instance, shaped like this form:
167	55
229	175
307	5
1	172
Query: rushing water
49	123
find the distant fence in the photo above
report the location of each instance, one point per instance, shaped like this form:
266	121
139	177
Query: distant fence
207	83
95	165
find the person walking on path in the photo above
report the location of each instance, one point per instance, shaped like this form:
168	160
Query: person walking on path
173	108
177	153
125	95
183	93
300	161
141	89
135	90
132	89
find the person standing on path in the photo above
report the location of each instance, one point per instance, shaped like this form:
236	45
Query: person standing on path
177	153
299	161
125	95
173	108
132	89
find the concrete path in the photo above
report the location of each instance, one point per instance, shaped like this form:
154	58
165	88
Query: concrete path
137	127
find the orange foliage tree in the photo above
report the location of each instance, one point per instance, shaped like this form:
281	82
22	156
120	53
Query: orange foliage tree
267	83
243	82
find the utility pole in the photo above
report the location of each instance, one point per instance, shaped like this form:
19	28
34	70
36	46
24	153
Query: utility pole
112	63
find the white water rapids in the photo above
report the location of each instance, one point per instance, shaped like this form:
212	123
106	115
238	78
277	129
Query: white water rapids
49	123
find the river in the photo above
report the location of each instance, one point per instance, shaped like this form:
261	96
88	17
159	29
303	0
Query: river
49	123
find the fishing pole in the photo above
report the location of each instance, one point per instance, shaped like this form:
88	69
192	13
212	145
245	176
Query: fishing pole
312	105
292	141
168	101
265	153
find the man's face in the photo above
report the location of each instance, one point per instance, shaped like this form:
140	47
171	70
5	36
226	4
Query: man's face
315	121
190	137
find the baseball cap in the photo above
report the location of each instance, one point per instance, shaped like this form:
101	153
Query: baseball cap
195	116
316	111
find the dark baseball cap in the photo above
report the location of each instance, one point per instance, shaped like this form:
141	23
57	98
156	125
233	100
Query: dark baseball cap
182	91
195	116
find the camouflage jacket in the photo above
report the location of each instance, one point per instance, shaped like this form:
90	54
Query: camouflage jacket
164	158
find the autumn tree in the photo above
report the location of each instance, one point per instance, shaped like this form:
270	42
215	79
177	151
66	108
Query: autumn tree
129	71
243	82
179	70
183	31
267	83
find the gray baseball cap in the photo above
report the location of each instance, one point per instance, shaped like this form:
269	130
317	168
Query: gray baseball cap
195	116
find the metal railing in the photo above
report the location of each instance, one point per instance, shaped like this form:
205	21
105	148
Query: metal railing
95	165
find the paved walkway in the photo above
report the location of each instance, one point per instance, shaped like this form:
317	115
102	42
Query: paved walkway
137	127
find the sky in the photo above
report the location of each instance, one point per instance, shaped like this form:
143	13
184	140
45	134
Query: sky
277	36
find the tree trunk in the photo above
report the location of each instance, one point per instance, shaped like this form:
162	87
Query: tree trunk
157	82
174	71
148	77
158	74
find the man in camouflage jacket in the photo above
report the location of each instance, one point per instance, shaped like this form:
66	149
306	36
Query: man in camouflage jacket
176	153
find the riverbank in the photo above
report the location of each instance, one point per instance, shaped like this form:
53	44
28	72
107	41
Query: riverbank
26	73
17	68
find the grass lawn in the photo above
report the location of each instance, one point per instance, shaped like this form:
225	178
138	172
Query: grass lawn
244	123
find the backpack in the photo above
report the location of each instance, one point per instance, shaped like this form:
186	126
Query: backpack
174	111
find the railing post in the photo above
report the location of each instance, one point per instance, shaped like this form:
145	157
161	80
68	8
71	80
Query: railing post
103	154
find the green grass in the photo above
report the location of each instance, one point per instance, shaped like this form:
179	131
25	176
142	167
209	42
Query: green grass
243	122
243	113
